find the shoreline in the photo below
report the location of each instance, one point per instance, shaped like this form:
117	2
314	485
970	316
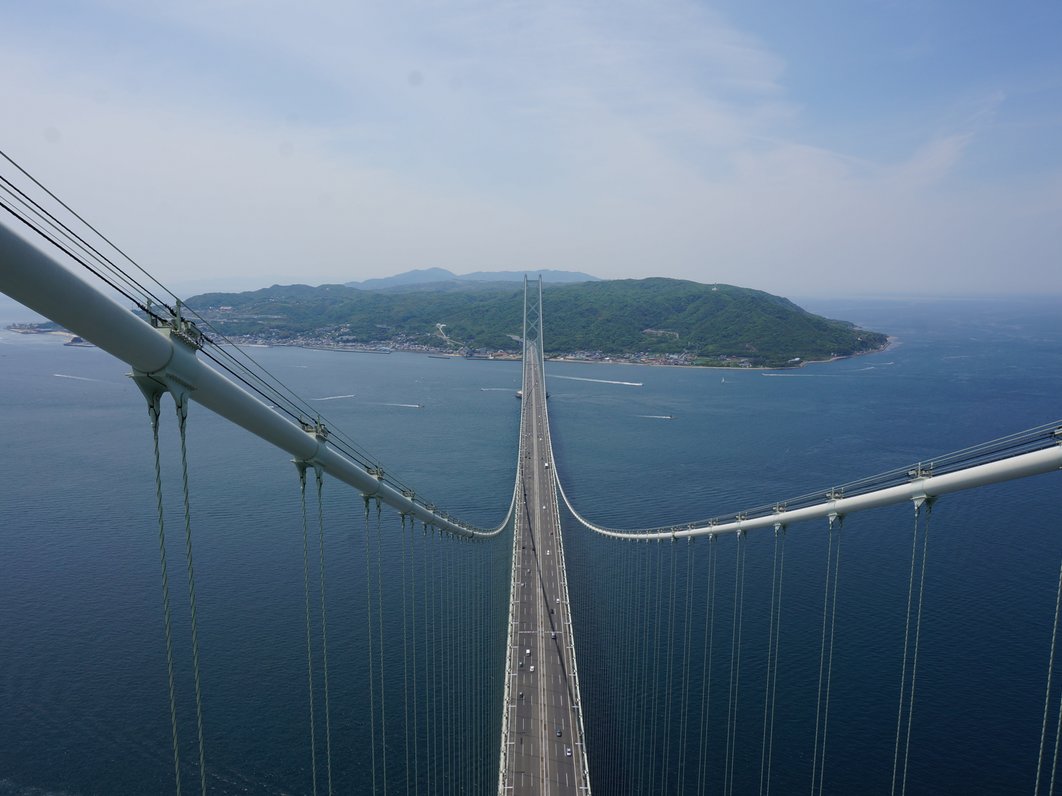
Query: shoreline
890	343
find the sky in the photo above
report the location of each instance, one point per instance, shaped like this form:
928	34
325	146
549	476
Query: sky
811	148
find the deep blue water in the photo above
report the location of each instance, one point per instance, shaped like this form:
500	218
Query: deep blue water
82	667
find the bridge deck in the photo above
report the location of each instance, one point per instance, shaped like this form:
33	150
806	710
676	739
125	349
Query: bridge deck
543	745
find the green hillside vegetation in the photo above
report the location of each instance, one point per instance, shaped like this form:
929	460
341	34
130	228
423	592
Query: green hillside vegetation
710	323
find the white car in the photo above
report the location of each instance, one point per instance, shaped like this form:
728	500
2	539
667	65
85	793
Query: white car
532	669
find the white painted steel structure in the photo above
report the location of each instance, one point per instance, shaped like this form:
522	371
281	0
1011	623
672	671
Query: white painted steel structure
921	487
164	358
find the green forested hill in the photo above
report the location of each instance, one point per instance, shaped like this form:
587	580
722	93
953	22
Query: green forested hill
616	318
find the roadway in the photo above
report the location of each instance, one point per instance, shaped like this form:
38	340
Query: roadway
544	751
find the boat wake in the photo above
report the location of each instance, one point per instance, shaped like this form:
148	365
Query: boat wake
78	378
598	381
332	397
657	417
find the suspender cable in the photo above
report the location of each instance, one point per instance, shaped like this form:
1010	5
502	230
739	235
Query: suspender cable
770	659
405	661
1047	691
628	750
917	637
666	756
409	548
380	630
706	669
906	640
182	420
644	667
773	682
153	411
822	657
324	624
832	600
369	626
306	600
429	671
686	669
735	665
657	632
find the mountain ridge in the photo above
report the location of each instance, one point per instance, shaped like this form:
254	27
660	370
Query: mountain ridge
427	277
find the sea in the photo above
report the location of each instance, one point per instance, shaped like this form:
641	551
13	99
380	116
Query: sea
84	699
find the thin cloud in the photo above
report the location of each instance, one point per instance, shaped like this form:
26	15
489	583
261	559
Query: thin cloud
342	142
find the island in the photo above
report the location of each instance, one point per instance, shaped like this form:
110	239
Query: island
648	321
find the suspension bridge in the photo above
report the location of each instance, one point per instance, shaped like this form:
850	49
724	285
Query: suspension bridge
497	704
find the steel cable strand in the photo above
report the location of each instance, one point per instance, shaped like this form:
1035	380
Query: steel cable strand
669	701
626	750
657	632
706	669
473	593
1047	690
405	655
61	231
182	421
733	669
774	677
412	561
630	647
917	639
42	233
643	747
770	658
369	626
464	672
686	668
906	639
618	682
429	671
742	544
153	411
306	601
822	657
324	624
829	668
1054	759
380	630
449	671
79	218
446	717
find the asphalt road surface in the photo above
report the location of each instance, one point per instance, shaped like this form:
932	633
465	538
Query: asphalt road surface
544	746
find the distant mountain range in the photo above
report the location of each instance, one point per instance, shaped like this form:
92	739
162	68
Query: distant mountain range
697	323
440	278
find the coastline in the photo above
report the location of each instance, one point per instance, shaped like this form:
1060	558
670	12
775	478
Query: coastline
500	356
890	343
